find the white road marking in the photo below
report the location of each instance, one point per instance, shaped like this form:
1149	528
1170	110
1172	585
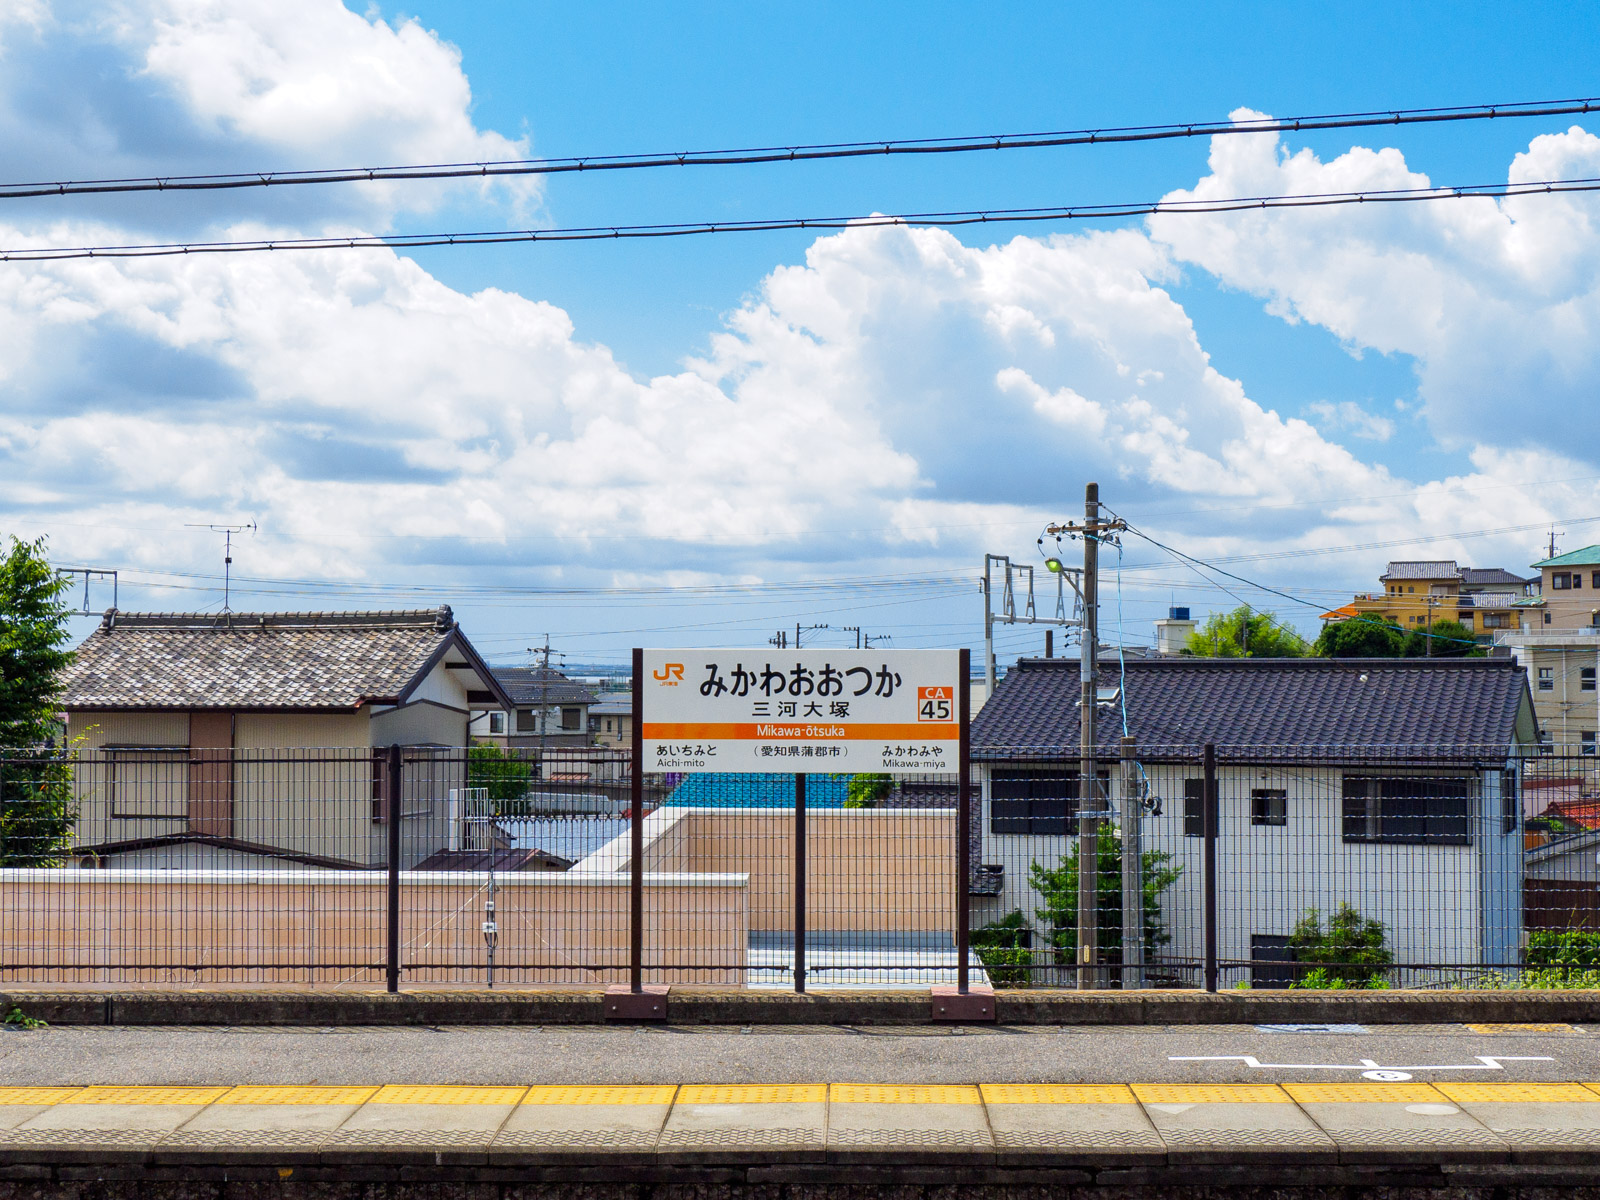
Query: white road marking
1368	1068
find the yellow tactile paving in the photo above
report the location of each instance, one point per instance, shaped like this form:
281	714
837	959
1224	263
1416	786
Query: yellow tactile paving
148	1095
600	1095
872	1093
1210	1093
410	1093
1056	1093
1363	1093
37	1095
1554	1027
253	1094
1518	1093
752	1093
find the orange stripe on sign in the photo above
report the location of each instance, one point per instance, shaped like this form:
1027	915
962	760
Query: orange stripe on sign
800	731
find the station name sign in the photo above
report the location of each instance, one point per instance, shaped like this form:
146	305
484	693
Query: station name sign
807	711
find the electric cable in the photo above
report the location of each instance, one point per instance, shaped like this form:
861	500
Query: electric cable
798	153
930	220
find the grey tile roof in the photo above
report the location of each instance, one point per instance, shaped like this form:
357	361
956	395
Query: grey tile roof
255	660
541	685
613	704
1309	704
1488	599
1427	569
1492	576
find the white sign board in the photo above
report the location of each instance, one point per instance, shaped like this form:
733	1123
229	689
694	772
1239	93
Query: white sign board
807	711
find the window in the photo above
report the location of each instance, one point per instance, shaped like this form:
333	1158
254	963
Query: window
1560	581
1270	948
1194	808
1426	810
1588	742
1269	806
1509	801
1411	589
497	722
1547	618
1466	619
527	721
1594	580
571	718
1036	802
1546	743
1547	679
148	782
1586	679
1495	621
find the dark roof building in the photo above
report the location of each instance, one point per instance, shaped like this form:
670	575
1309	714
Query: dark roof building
541	685
1292	705
269	662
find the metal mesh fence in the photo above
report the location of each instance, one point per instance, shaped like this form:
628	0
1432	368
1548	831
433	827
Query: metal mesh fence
1397	867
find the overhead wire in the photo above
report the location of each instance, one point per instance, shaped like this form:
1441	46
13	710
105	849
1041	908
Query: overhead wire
751	155
930	220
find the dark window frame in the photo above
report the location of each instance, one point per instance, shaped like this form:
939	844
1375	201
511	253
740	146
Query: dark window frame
1586	679
1425	810
1510	801
1035	801
1194	808
1264	812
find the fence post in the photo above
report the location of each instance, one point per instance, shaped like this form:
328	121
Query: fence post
964	823
392	795
1209	817
1132	870
636	839
799	882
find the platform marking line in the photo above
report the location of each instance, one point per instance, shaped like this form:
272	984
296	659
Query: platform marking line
581	1096
1518	1093
753	1093
148	1095
296	1094
1363	1093
1368	1068
1210	1093
409	1093
35	1096
1056	1093
873	1093
1553	1027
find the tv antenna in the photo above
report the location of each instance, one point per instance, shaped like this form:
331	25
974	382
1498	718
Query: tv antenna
227	532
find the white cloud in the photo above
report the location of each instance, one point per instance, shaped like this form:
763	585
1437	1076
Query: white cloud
1348	415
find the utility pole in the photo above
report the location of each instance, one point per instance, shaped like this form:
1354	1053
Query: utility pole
1093	530
543	669
868	639
798	631
779	639
855	629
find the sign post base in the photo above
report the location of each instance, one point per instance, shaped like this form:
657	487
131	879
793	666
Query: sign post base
976	1004
625	1004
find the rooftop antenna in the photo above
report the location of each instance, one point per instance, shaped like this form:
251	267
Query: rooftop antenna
227	554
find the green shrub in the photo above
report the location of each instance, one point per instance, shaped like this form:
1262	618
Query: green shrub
1002	948
1351	951
1058	888
1572	949
866	789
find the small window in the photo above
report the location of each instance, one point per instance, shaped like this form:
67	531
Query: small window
1547	619
1509	801
1466	619
1560	581
1547	679
571	718
1546	742
497	722
1411	589
527	721
1586	679
1495	621
1194	808
1588	741
1269	806
1594	580
1270	949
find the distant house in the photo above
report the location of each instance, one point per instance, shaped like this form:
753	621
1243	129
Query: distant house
611	720
1563	665
257	738
1419	593
545	709
1339	783
1570	591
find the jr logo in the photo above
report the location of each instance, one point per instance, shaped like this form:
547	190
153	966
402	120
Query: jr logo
670	675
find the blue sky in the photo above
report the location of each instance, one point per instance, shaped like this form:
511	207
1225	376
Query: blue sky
758	410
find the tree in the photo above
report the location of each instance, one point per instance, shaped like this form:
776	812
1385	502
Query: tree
504	775
1450	639
36	805
866	789
1244	633
1351	953
1359	637
1058	888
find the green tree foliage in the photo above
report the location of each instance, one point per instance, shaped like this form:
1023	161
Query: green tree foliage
866	789
1058	888
36	805
1244	633
1451	639
1359	638
1351	952
506	776
1002	947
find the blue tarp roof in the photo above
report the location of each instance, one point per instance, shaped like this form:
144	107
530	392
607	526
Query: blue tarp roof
757	791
